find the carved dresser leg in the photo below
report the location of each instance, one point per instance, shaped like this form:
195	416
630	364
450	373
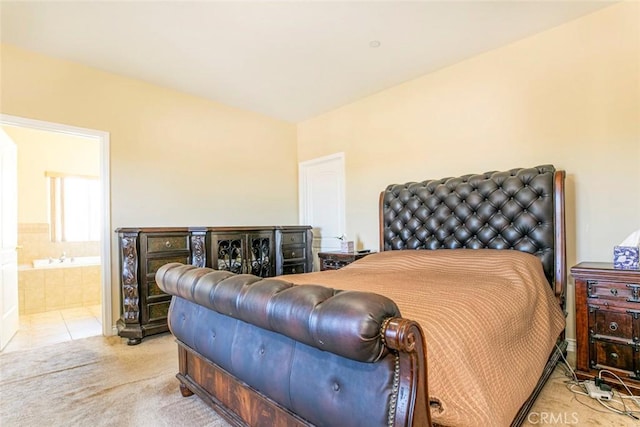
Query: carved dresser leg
184	390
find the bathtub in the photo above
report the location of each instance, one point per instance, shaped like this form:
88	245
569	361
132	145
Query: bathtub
67	262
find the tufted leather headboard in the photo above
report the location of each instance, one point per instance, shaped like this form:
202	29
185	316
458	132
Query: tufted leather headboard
521	209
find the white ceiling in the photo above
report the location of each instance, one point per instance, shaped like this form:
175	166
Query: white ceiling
290	60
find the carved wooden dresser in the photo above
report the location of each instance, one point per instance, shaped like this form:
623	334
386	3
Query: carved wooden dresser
262	251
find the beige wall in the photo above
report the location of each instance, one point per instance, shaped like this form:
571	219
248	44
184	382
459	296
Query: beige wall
196	161
176	159
569	96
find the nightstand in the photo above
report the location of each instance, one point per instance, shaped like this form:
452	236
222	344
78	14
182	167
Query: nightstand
337	260
607	323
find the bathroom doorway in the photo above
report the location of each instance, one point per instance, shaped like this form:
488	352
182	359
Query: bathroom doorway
63	256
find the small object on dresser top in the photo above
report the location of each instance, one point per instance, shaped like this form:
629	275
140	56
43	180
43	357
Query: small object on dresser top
347	246
626	257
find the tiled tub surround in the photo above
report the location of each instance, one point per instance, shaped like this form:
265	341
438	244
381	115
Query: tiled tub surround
35	243
46	289
66	262
55	285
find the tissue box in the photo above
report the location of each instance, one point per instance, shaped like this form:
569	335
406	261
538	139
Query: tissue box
346	246
626	257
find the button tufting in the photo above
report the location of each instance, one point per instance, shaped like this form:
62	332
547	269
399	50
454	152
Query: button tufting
336	387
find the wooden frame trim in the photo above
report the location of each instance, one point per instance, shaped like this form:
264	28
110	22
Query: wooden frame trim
381	221
546	373
560	244
238	403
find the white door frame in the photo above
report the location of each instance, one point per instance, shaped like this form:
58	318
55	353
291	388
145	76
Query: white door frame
9	300
304	198
105	232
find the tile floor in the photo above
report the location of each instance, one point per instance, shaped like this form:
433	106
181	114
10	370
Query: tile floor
37	330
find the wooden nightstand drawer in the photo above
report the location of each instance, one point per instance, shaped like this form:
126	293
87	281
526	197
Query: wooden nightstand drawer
337	260
617	324
629	292
608	354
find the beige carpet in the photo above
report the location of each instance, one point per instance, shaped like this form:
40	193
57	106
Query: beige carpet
103	382
98	382
557	406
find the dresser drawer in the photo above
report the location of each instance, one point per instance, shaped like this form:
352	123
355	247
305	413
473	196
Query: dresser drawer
157	311
293	251
167	243
153	290
611	323
606	354
615	291
293	238
153	264
293	268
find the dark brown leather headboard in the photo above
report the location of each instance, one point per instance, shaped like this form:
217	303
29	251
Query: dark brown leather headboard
521	209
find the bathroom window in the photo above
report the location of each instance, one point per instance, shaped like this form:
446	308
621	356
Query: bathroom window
74	206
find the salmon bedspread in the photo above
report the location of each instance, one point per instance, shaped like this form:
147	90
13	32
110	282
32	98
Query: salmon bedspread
489	316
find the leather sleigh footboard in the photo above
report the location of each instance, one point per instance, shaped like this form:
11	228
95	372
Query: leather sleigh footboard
265	352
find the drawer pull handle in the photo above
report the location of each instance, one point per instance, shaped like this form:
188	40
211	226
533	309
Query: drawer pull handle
614	292
293	253
614	356
613	326
167	244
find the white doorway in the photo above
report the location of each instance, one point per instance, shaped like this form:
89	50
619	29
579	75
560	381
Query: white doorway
322	201
9	308
102	138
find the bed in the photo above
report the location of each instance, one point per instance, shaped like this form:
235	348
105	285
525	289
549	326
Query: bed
458	320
